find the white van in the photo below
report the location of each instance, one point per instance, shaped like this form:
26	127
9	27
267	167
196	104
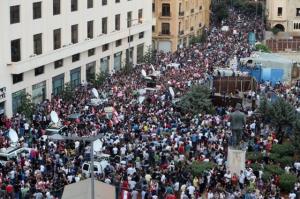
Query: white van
101	161
9	153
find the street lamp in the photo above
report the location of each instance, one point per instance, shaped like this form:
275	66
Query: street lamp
59	137
140	20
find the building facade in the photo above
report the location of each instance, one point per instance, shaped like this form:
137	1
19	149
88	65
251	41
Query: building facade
47	43
176	21
284	14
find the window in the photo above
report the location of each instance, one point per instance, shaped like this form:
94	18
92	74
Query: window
141	35
37	44
279	11
15	47
58	84
140	15
153	28
17	78
37	10
74	33
118	42
76	57
166	9
165	28
129	19
298	12
117	21
140	53
56	39
91	52
14	14
117	1
153	7
130	38
90	29
104	2
56	7
90	3
74	5
39	70
58	63
104	25
75	78
105	47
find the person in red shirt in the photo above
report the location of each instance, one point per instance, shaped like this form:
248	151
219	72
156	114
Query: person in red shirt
170	196
181	149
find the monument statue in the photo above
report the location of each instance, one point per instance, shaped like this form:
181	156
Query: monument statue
237	123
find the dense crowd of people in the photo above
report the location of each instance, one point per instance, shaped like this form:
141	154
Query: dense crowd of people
150	142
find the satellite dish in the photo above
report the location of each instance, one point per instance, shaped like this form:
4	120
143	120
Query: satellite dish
95	93
172	92
97	145
54	117
144	73
13	136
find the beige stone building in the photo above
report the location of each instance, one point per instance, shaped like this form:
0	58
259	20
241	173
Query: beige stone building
284	14
176	21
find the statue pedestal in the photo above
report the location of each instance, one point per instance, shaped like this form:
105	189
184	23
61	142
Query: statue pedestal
236	160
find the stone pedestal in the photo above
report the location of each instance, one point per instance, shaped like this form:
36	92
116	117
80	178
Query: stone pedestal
236	160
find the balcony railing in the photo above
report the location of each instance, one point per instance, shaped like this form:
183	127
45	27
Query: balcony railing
167	15
181	14
164	33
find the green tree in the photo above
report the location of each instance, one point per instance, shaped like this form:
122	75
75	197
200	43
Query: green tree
149	56
127	69
27	106
198	168
296	135
197	100
99	79
287	182
262	48
68	92
282	115
275	30
263	108
221	11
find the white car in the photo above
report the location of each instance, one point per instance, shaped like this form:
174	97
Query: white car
98	167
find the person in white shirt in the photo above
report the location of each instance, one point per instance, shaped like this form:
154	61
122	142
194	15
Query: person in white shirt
292	195
191	190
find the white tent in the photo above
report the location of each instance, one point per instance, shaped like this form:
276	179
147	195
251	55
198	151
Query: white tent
82	189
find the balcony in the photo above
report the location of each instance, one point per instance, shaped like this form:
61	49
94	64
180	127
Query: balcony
181	32
192	28
165	15
165	33
181	14
192	11
68	50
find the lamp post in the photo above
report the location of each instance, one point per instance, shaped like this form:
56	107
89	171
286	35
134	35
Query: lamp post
140	20
59	137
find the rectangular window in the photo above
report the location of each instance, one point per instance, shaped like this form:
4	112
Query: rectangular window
141	35
279	11
140	16
140	53
56	7
90	3
130	38
39	70
74	5
165	28
90	29
37	44
58	63
14	14
17	78
117	1
166	11
91	52
129	19
153	7
104	2
104	25
58	84
117	21
15	47
37	10
105	47
56	39
76	57
118	42
297	12
75	78
74	33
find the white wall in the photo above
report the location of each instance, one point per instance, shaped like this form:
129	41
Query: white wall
28	27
